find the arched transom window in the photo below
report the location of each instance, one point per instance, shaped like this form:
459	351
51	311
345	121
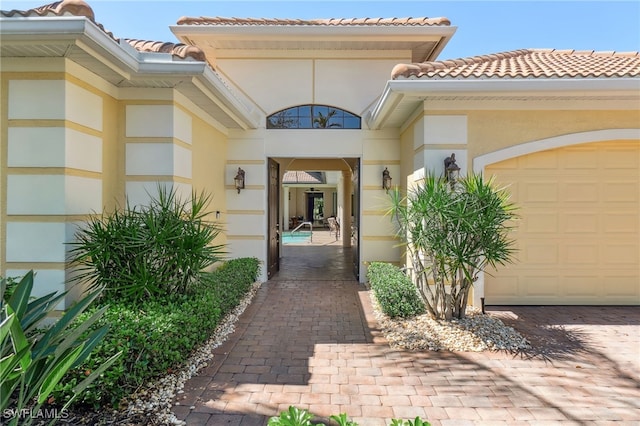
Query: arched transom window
313	117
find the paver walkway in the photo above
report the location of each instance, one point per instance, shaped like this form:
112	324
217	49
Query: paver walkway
314	344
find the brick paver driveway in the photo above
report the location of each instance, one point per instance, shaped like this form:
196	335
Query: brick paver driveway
314	344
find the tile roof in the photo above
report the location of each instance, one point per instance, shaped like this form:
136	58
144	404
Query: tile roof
81	8
180	50
59	8
293	176
379	22
527	63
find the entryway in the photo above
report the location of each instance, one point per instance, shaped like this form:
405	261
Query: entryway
324	188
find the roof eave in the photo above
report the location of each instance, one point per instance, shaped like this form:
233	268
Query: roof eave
396	90
128	62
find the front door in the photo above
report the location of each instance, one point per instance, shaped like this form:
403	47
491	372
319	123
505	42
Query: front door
273	250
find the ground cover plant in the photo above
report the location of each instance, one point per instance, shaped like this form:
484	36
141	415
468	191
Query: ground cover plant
155	336
452	231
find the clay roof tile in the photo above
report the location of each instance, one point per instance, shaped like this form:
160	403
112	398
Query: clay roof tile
81	8
221	21
528	63
59	8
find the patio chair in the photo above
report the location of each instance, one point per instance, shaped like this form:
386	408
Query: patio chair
334	227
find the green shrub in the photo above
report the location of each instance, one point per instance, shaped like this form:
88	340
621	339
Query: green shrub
34	358
156	336
394	291
138	254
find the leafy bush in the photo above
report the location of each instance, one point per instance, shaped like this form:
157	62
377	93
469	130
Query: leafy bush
453	231
159	249
394	291
33	359
156	336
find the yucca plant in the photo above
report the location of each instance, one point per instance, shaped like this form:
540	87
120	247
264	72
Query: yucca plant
33	359
451	235
137	253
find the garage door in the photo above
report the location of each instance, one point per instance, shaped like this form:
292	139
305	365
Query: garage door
578	235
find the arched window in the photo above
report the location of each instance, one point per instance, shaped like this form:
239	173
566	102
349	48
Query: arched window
313	117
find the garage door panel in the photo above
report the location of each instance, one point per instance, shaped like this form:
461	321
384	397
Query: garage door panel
540	285
579	222
540	192
582	287
623	223
585	191
546	160
621	285
539	222
539	253
580	158
578	236
580	254
621	253
620	158
620	192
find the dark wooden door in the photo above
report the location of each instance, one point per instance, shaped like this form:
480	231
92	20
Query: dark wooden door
273	250
355	212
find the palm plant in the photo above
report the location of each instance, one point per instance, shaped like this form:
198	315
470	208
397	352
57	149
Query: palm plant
451	235
322	121
137	253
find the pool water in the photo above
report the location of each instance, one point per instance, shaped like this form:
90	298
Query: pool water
296	237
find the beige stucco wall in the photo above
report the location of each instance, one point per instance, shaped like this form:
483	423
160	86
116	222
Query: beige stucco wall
76	139
347	80
493	130
209	158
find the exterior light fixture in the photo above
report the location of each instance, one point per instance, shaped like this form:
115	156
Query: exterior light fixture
386	180
451	170
239	180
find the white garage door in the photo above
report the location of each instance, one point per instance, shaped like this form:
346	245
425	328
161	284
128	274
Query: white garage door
578	236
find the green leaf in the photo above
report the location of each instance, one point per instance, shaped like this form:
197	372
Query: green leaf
57	371
19	341
20	297
80	387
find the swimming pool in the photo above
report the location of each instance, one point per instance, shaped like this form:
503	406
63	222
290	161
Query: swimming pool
298	237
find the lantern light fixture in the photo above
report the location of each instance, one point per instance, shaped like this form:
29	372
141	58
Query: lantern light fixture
386	180
239	179
451	170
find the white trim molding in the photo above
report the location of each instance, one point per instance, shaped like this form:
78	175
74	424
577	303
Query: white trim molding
480	162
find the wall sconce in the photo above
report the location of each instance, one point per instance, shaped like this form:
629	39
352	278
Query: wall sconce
239	180
217	214
386	180
451	170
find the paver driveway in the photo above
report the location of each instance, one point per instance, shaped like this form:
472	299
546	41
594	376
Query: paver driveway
314	344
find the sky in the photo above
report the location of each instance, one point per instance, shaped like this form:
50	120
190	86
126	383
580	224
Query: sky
483	27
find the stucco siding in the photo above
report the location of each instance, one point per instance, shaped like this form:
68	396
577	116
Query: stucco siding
493	130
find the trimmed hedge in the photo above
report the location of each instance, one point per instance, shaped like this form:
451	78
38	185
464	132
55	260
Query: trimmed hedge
394	291
158	335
